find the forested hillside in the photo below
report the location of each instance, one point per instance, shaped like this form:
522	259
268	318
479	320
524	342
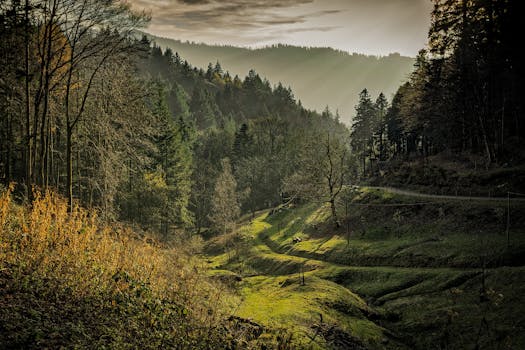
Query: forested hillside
147	202
463	103
117	124
319	77
243	127
129	134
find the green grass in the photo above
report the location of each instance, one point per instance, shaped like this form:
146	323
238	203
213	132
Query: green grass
444	235
284	302
406	278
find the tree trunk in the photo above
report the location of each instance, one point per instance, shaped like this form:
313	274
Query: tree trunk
334	213
28	172
46	158
5	148
69	132
69	165
44	136
381	145
9	156
43	152
485	140
51	164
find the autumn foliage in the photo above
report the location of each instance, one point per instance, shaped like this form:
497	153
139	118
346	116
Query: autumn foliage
70	280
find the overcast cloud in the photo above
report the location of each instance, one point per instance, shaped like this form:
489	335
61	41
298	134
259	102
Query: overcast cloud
366	26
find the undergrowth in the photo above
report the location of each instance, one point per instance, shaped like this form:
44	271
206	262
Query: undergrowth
67	280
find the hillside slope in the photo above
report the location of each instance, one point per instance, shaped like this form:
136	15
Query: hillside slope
318	76
403	276
70	281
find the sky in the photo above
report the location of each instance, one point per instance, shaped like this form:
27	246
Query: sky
376	27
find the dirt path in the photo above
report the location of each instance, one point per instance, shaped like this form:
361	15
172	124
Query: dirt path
447	197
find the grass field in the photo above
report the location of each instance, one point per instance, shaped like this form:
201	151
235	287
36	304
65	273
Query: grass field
437	275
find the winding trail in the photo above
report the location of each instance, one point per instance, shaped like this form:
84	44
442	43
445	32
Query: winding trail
409	193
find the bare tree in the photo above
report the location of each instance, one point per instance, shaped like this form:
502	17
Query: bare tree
335	172
116	127
225	209
96	31
324	168
67	44
27	103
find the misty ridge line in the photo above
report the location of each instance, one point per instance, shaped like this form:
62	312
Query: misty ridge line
319	77
254	48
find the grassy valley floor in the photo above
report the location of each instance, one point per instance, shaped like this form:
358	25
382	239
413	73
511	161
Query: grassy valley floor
438	274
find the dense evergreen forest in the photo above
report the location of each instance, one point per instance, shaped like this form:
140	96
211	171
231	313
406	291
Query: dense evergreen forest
318	76
123	125
464	95
118	124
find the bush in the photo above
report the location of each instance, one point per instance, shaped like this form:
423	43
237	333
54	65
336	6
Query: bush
68	280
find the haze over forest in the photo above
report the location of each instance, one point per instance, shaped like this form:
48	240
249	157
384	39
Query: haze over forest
343	37
319	77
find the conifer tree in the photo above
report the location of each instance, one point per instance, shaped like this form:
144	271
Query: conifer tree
381	106
362	128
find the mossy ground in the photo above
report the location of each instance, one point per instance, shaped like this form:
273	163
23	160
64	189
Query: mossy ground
435	275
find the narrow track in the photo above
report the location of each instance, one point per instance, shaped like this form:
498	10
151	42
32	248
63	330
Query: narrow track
409	193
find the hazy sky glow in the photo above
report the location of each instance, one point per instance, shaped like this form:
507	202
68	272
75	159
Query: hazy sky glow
365	26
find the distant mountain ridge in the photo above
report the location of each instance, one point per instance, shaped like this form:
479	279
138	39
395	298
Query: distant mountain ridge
319	77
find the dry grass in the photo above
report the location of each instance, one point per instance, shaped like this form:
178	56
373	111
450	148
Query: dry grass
76	247
129	290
